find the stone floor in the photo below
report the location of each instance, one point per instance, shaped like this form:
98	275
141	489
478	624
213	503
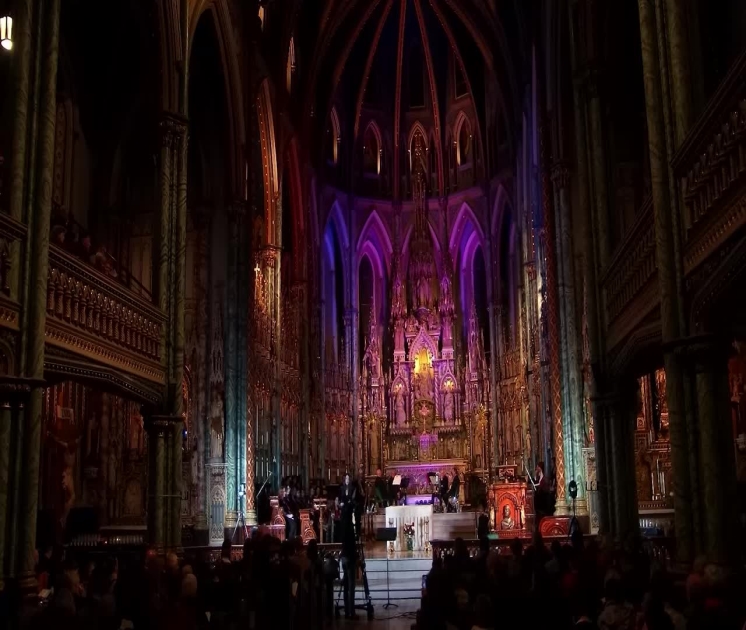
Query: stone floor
401	618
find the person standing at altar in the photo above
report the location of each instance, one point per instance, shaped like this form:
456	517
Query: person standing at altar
453	493
289	514
379	489
360	501
347	499
542	495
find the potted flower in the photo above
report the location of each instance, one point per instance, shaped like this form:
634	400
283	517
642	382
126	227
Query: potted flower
409	535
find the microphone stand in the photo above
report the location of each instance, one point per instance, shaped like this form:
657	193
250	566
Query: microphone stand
528	474
264	484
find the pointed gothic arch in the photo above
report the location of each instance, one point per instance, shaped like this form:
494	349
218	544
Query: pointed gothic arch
372	149
462	135
416	128
374	229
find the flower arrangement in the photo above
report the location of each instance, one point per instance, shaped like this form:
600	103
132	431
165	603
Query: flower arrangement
408	529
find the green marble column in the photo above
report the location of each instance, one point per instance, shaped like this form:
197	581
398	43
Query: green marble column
34	317
176	430
681	72
156	428
594	258
667	281
709	356
231	362
14	396
621	423
23	19
569	324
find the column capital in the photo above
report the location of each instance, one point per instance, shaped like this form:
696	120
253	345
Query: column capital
173	126
14	388
704	348
161	424
269	255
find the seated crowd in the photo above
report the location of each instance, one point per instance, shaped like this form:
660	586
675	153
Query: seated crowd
580	585
73	238
286	585
274	585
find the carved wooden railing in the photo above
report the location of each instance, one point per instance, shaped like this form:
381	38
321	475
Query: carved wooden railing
660	549
710	167
96	317
632	270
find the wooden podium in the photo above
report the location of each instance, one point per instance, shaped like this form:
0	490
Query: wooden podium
511	503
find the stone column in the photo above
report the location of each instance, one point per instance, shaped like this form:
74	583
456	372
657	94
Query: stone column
231	359
667	280
352	323
709	357
619	415
604	475
576	430
156	427
680	68
34	307
595	254
555	368
14	397
251	421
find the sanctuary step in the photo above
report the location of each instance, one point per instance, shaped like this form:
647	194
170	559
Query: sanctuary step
405	578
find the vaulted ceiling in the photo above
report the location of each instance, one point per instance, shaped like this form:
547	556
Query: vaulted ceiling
357	54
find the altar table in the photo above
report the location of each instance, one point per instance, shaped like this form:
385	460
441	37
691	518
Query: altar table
420	515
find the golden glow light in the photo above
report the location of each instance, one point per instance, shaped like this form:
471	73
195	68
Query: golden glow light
6	32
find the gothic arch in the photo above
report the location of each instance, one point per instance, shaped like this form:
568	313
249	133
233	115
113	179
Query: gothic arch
416	127
222	22
336	134
464	220
378	266
375	228
462	159
372	129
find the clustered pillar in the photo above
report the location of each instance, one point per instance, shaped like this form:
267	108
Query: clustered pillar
30	202
165	441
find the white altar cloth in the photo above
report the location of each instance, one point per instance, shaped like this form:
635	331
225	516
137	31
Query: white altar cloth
420	515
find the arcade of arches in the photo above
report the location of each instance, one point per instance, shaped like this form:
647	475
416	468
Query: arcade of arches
243	242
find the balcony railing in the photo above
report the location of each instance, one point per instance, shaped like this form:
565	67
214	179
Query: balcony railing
94	315
710	167
632	269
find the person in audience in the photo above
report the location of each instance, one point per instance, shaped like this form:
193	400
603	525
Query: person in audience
588	586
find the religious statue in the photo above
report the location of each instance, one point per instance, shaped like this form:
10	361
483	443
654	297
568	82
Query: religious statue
447	331
398	302
423	294
507	522
445	294
401	413
448	407
399	336
374	359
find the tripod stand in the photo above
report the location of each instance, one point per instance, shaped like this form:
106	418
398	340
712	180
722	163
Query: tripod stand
387	535
241	519
574	524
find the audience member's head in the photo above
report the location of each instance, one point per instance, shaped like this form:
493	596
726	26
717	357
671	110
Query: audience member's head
189	586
